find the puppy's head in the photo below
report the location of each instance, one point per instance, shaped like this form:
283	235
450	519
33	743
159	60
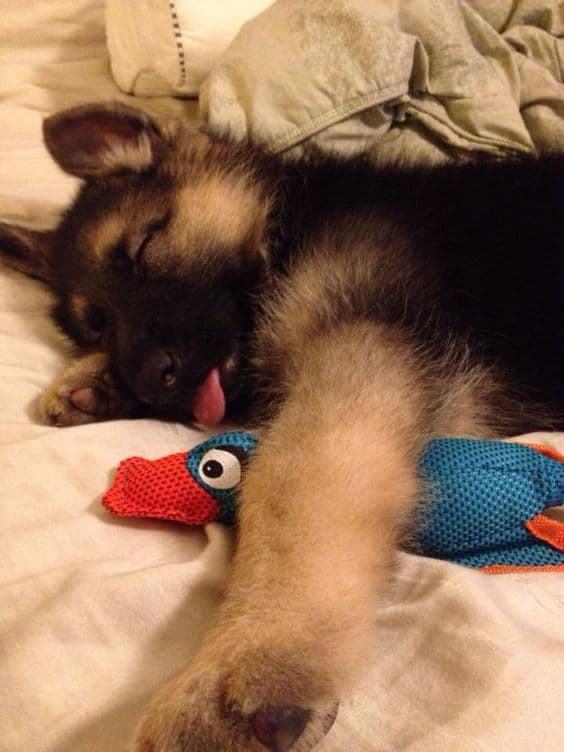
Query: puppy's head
159	257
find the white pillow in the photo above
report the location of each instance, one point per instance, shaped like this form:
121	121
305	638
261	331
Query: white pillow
167	48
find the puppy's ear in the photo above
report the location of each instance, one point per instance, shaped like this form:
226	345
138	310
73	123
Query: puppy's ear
98	140
28	251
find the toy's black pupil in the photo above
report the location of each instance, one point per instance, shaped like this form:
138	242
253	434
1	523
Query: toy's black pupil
213	469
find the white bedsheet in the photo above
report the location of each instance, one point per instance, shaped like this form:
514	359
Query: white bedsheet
95	613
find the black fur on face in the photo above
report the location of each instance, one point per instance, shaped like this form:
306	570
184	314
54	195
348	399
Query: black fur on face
139	317
158	259
166	315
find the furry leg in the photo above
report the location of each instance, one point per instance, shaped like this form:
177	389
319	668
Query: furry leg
323	504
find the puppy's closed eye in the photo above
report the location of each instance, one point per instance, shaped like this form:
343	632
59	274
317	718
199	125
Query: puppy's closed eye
137	249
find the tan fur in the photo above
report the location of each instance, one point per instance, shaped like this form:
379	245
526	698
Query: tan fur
136	156
216	214
103	236
221	201
324	290
321	292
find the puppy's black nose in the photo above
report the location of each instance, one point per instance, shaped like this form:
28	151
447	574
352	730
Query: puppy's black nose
158	373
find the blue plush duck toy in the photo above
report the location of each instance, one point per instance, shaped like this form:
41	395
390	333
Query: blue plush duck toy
486	500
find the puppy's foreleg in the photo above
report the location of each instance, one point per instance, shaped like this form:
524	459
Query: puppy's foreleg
322	506
86	391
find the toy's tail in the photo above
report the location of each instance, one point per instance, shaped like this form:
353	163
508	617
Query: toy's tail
489	504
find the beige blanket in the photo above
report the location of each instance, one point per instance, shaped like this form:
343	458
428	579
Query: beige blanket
417	78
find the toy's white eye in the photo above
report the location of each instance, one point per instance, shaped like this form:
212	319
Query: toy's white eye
220	468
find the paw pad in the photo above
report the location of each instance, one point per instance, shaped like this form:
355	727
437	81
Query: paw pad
89	400
279	728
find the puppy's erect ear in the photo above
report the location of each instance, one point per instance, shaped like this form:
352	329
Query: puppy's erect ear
28	251
98	140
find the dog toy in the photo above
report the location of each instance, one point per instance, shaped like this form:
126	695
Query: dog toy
485	508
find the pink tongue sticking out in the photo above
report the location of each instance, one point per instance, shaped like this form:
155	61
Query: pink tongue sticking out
209	403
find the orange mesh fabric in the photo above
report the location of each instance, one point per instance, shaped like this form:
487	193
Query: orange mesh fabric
548	530
161	488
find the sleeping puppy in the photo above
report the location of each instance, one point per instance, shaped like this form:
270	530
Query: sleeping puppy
352	313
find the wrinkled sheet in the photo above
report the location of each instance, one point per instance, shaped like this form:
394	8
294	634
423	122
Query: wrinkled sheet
413	79
95	613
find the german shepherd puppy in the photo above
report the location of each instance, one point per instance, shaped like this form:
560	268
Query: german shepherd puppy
352	312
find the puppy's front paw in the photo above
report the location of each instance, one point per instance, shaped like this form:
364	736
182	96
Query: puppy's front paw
63	405
252	704
85	392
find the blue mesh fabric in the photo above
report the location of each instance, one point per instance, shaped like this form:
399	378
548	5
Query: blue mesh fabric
480	495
